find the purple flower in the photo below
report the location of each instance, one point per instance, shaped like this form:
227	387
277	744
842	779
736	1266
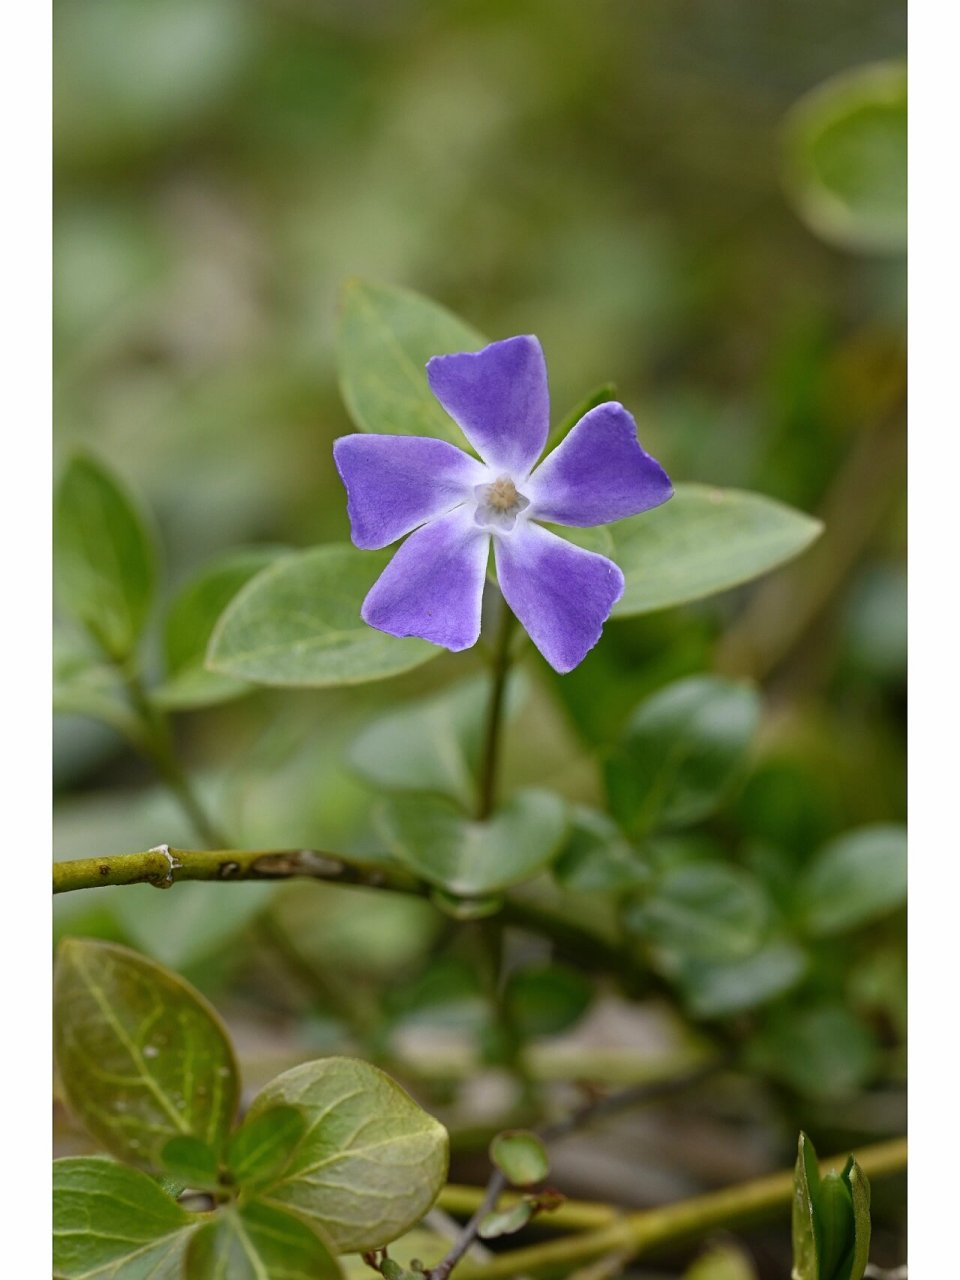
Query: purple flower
451	504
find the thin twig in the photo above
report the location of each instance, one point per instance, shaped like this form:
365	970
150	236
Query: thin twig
555	1132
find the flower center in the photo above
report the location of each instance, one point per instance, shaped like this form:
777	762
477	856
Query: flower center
499	504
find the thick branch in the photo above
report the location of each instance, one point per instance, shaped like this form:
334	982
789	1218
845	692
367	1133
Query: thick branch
164	866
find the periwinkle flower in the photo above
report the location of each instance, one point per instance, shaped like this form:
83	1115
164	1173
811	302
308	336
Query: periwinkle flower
452	505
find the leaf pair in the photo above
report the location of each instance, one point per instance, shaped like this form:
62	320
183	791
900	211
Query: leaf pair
332	1156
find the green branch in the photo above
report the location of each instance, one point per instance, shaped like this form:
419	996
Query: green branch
164	866
636	1233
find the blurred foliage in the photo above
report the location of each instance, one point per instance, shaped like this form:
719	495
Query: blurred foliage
622	180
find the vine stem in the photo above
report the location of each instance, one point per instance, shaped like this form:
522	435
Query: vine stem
636	1233
156	742
164	866
487	788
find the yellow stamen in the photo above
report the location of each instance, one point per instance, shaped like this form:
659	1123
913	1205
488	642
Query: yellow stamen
502	495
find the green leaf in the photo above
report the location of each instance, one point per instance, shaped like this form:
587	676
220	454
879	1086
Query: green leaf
717	989
599	395
259	1242
846	159
520	1156
371	1162
597	856
854	880
111	1222
104	558
722	1262
504	1222
547	1000
191	617
143	1058
473	859
703	911
386	337
297	623
824	1051
859	1186
262	1147
702	541
806	1201
84	684
191	1162
683	750
434	744
836	1228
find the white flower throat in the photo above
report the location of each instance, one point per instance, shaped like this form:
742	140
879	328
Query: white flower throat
498	504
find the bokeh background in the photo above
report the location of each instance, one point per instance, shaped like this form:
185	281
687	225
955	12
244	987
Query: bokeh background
609	176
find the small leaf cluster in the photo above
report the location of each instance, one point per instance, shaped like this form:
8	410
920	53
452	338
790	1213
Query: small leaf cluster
831	1219
331	1157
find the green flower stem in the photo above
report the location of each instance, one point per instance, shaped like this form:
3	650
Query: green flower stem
636	1233
155	740
487	789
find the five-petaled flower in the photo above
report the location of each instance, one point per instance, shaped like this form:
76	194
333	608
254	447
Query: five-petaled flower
451	505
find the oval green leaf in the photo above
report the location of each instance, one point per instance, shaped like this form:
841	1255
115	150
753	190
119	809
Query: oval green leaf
702	541
386	337
472	859
505	1222
520	1156
142	1057
371	1162
191	1163
114	1223
597	857
715	989
262	1147
191	617
855	879
104	556
259	1242
683	750
846	159
297	623
703	911
432	745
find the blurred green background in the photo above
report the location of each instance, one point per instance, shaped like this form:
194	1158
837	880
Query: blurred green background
611	176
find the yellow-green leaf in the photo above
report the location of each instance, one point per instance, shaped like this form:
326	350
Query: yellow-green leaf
386	337
142	1057
297	623
111	1222
371	1162
702	541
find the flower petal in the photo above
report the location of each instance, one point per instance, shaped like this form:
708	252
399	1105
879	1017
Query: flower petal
562	594
499	399
395	483
433	586
598	473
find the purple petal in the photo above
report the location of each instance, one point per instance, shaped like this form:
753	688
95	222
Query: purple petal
433	586
598	473
562	594
499	399
395	483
